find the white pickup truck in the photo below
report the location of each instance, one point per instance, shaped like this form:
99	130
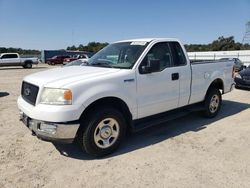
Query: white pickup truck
129	84
14	59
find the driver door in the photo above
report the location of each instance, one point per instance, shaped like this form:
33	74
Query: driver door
158	91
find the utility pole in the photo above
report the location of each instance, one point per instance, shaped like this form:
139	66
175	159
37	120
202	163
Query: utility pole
72	37
246	38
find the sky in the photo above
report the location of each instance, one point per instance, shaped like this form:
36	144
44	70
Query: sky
56	24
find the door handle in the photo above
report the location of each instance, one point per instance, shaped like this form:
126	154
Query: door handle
175	76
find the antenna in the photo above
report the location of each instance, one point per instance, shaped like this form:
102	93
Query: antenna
73	37
246	38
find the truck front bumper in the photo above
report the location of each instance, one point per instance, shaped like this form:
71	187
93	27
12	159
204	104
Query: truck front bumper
51	131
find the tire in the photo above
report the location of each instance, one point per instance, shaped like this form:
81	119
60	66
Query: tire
27	65
212	103
102	131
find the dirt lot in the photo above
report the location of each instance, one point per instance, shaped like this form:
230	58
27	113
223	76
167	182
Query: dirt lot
188	152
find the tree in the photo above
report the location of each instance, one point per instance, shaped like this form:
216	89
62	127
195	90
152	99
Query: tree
20	51
91	47
221	44
73	48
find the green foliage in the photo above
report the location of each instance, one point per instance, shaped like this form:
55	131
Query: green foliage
221	44
20	51
91	47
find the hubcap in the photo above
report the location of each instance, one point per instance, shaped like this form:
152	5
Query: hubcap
106	133
214	103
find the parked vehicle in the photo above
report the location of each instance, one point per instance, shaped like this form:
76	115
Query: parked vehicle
75	57
128	85
14	59
242	79
58	59
77	62
238	65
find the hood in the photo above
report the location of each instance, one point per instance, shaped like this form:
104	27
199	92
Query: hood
58	77
245	72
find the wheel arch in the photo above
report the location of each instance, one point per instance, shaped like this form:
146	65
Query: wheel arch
114	102
28	61
217	83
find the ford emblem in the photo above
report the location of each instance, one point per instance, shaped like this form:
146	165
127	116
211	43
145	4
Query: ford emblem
27	91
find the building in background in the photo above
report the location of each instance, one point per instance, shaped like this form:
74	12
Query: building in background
243	55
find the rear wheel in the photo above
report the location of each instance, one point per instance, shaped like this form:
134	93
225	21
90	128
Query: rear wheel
27	65
212	103
102	132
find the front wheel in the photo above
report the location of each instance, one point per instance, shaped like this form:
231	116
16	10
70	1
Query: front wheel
212	103
103	131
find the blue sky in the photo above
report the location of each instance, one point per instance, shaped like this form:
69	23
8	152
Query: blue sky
56	24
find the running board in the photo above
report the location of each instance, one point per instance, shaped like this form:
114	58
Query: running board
140	124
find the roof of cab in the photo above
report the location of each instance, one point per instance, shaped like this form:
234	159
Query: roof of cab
148	40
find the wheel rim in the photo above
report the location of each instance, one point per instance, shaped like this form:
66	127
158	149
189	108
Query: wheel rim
106	133
214	103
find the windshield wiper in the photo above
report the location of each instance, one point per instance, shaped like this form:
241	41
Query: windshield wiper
101	63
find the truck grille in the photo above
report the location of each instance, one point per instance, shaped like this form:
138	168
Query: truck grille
29	92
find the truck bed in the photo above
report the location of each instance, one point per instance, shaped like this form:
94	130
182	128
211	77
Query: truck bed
195	62
203	72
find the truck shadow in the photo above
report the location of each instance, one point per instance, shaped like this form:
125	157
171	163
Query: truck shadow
244	89
17	68
4	94
192	122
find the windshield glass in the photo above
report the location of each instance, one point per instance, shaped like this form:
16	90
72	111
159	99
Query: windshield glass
118	55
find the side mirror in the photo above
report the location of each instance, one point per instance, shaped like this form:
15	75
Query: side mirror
152	66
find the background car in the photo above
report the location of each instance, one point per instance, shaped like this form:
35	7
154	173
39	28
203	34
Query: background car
75	57
58	59
77	62
14	59
242	79
238	65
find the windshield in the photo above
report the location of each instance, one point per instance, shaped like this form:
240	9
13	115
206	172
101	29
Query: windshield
118	55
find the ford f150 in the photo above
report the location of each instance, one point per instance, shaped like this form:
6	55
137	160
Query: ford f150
129	84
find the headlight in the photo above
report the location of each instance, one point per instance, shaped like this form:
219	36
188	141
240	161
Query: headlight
56	96
238	76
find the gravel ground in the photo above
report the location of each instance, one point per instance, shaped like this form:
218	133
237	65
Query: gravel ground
187	152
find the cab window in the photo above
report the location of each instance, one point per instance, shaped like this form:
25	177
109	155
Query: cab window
9	56
179	58
159	52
